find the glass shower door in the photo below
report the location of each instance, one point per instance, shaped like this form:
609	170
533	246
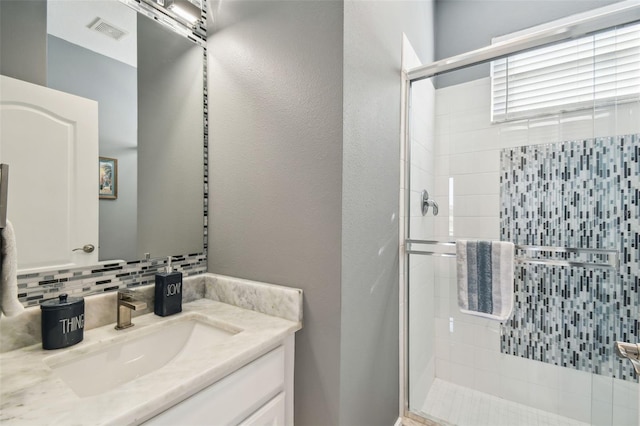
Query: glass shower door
554	362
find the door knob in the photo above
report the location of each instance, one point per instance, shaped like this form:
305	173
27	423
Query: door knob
87	248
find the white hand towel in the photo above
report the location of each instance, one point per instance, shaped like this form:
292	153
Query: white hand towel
9	303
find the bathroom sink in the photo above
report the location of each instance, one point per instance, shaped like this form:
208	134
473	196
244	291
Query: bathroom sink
111	364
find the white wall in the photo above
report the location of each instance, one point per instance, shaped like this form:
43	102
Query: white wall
467	347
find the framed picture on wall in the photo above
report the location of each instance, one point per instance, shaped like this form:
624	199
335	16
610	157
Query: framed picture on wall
108	185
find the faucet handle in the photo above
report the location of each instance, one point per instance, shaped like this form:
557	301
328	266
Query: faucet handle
128	299
125	293
126	303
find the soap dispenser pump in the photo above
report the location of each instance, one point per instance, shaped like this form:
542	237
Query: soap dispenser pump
168	294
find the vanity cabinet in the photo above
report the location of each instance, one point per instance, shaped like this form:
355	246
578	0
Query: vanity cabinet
259	393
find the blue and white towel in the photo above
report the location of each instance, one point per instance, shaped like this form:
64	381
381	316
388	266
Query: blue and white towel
485	278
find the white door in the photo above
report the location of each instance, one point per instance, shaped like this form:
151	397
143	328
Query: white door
50	141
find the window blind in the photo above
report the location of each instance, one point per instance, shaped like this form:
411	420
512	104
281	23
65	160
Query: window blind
603	67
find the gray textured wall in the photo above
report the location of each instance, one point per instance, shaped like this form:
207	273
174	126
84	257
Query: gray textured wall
464	25
74	69
170	142
370	193
298	198
275	167
23	40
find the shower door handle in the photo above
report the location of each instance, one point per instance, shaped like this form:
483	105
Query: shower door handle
629	351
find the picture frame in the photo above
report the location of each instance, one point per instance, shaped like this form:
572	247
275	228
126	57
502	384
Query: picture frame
108	179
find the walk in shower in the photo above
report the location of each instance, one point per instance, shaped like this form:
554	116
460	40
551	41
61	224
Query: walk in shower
544	152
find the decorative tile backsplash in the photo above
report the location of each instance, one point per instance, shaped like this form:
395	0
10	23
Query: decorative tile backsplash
574	194
35	288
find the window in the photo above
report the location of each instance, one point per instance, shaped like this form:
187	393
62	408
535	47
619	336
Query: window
603	67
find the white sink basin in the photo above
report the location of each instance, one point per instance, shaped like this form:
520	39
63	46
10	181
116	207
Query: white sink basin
111	364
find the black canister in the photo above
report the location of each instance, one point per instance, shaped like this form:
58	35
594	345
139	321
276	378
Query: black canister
62	322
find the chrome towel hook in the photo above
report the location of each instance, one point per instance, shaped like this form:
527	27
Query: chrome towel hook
426	203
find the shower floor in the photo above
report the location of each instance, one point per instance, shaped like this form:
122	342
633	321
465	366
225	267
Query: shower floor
457	405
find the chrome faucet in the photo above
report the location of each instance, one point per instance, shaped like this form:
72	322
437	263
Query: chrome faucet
126	304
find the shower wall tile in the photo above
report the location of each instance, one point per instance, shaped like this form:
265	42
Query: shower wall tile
576	406
574	194
422	157
624	416
484	228
544	129
443	369
441	166
476	140
441	189
514	133
475	119
474	162
576	125
476	203
477	184
443	140
618	119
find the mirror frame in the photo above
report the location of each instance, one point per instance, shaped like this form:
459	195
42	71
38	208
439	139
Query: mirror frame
36	287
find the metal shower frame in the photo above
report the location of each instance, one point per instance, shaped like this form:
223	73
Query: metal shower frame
621	13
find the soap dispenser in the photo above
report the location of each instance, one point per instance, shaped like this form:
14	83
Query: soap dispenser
168	299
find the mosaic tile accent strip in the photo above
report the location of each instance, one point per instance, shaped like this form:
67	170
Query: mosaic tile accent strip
574	194
36	288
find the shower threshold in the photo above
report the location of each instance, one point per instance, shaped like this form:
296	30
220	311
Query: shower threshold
451	404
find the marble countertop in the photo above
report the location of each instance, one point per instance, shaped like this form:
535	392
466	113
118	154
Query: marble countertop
32	393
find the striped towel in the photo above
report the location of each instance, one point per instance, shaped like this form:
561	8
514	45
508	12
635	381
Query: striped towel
485	278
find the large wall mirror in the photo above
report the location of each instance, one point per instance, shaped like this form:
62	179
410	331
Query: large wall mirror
148	82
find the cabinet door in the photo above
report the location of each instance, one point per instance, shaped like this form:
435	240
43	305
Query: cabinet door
271	414
231	399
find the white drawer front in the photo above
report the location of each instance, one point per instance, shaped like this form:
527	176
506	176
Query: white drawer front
232	399
271	414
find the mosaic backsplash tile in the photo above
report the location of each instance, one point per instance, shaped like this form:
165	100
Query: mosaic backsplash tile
35	288
574	194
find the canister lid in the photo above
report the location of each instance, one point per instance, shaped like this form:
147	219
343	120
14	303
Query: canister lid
63	301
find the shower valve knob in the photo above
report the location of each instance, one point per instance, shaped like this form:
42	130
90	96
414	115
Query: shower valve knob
426	203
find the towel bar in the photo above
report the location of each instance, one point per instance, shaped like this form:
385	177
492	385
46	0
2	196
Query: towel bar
613	259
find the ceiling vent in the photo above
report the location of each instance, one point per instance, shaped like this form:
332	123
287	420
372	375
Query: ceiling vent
110	30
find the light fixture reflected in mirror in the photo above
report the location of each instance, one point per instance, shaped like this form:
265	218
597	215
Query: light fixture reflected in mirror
186	11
